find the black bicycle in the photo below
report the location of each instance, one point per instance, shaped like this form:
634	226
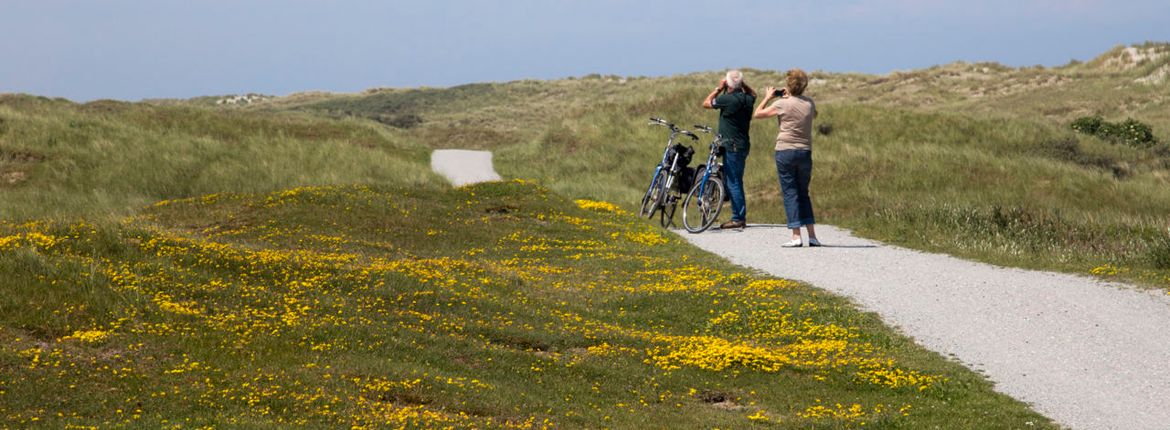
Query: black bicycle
663	194
705	199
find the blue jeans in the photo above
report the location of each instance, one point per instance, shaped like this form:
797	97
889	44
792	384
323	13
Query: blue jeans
733	163
794	167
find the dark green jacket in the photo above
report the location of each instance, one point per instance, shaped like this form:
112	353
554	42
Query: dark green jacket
735	119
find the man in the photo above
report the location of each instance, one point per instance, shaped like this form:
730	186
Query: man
735	101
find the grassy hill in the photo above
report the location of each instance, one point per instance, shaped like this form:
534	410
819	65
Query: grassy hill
976	160
292	260
105	159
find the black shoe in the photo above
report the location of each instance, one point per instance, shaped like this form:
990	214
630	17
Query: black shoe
733	224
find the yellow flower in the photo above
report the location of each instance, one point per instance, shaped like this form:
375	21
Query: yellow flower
88	336
600	206
647	238
1105	270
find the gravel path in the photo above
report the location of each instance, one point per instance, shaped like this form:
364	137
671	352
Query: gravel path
1090	355
1087	354
463	167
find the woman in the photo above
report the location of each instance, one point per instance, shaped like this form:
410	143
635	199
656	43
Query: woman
795	113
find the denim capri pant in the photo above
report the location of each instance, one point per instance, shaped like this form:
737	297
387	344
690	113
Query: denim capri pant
794	168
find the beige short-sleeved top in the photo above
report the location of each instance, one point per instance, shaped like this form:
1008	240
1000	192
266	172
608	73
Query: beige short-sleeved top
795	116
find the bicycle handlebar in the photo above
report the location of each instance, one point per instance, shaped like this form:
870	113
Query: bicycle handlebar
660	121
703	128
672	127
664	123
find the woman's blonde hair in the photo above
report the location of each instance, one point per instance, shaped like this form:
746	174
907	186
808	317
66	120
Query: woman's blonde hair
797	81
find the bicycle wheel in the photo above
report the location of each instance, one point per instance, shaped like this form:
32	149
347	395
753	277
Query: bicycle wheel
700	212
653	198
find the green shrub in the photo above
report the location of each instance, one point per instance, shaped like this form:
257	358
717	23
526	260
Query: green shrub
1087	124
1136	133
1130	132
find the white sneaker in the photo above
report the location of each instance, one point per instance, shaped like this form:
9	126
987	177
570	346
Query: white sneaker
794	243
814	242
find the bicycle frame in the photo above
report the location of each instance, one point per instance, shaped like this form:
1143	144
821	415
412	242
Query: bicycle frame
711	155
660	195
670	142
711	166
665	153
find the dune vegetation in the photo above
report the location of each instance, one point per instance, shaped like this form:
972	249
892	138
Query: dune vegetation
292	260
106	159
976	160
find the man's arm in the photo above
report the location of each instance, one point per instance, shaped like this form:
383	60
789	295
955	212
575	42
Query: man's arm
707	103
769	111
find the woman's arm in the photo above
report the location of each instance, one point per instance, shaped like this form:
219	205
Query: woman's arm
769	111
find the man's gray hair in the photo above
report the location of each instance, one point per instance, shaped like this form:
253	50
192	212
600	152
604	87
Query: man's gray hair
734	79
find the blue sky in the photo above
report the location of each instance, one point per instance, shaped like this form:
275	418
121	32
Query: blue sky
130	50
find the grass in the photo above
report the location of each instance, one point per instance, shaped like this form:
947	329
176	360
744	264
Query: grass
294	261
501	305
105	159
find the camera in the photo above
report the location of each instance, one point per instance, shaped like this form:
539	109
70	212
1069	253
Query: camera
778	93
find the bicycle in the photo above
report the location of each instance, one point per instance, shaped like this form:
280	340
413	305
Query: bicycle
705	199
662	195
